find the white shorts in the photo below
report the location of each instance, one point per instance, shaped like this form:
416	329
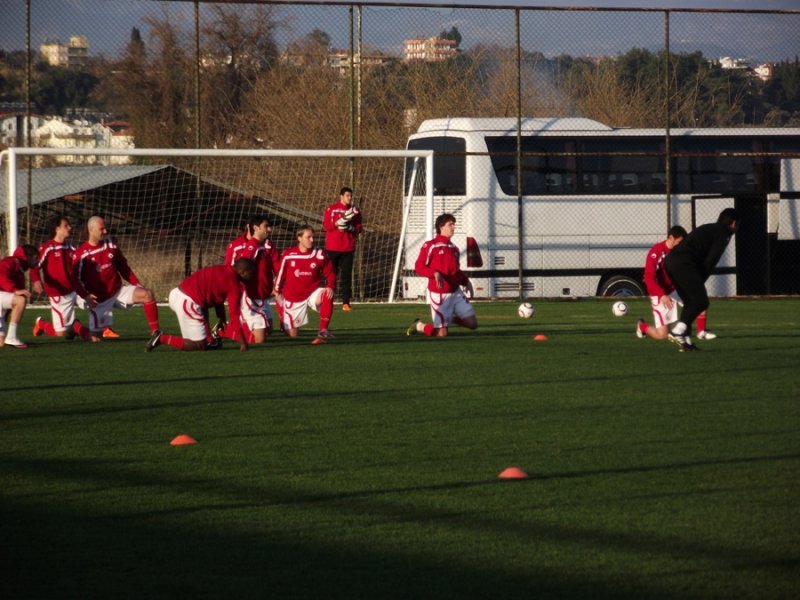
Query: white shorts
255	312
663	315
5	305
102	315
6	299
295	314
445	306
191	319
62	311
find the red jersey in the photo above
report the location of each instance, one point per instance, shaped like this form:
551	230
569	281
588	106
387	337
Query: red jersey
212	286
56	262
656	279
99	268
338	240
301	273
267	260
233	249
442	256
12	271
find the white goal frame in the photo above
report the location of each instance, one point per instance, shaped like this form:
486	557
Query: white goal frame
10	156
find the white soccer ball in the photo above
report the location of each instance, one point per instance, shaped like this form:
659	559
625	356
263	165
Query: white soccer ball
525	310
620	309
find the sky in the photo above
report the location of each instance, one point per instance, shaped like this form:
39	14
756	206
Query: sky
756	38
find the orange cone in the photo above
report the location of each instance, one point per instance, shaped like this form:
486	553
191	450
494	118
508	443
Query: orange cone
183	440
540	337
513	473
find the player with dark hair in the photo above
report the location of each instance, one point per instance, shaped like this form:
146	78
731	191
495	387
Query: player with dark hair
297	286
342	222
690	264
255	244
203	289
56	261
438	260
664	300
100	267
13	295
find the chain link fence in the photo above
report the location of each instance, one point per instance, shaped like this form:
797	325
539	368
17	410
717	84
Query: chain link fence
171	74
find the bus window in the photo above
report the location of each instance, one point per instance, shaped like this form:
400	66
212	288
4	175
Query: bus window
712	173
449	164
620	173
542	173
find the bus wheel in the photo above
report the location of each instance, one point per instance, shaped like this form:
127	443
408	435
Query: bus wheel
621	285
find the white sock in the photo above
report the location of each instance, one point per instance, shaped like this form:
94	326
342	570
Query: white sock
12	331
679	329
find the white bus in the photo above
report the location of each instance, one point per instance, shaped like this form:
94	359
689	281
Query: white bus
594	199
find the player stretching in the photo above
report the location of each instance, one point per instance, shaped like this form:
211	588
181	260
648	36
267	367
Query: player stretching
691	264
56	260
203	289
438	260
13	295
100	267
663	297
297	286
255	245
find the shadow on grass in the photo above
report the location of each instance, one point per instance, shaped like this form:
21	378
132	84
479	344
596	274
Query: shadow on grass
197	538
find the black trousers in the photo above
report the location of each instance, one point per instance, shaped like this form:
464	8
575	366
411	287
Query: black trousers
691	286
343	265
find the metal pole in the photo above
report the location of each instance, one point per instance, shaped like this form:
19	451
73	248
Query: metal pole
520	215
28	118
668	117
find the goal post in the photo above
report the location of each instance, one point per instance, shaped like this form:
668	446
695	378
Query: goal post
173	211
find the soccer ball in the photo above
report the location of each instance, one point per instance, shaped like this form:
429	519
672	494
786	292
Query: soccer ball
525	310
620	309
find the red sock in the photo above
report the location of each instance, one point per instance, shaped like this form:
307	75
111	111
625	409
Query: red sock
83	331
172	340
47	327
325	312
701	321
429	330
643	327
151	312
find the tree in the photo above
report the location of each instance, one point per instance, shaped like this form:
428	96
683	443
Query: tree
240	47
452	34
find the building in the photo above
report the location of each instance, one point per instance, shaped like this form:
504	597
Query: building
340	61
57	133
763	72
73	55
14	126
433	49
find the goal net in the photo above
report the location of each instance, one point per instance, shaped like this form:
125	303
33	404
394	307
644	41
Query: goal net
175	211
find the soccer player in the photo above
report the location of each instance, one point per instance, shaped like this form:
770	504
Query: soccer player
13	295
664	299
100	267
208	287
438	260
690	264
255	245
56	260
343	224
297	286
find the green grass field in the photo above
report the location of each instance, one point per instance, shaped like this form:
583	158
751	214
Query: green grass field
367	467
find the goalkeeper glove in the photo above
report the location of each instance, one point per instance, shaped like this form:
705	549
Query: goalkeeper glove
342	224
349	213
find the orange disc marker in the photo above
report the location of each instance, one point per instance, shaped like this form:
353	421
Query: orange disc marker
513	473
183	440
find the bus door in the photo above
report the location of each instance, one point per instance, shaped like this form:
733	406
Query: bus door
706	209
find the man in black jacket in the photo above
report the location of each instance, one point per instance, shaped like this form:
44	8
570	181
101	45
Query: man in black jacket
690	264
